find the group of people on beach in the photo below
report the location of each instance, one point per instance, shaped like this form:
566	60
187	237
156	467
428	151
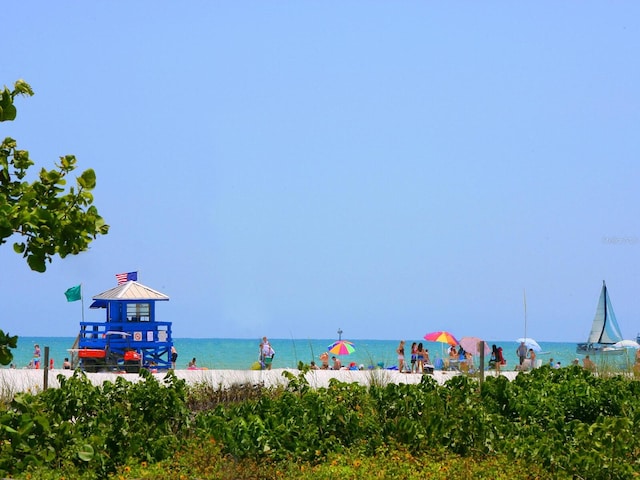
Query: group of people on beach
35	361
336	363
420	362
526	357
457	359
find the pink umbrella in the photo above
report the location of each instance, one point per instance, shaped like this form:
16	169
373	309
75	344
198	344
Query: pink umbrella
472	345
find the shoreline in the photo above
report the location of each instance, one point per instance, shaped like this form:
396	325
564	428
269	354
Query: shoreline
14	381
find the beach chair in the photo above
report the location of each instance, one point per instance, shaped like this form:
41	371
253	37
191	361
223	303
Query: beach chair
454	365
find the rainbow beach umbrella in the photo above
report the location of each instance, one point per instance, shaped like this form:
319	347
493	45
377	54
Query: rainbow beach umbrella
442	337
341	347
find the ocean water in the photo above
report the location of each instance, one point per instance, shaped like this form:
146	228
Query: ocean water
240	354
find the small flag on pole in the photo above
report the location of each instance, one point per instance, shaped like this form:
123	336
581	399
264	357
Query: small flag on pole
73	294
125	277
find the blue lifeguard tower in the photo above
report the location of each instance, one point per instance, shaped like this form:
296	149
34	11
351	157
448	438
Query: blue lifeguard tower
130	337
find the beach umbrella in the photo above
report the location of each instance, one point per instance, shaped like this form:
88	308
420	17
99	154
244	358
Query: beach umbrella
341	347
442	337
530	343
627	344
472	345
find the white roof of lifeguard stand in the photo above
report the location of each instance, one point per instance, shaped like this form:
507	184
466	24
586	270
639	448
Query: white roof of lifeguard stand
131	290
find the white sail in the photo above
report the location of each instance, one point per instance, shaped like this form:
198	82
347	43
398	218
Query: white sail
604	329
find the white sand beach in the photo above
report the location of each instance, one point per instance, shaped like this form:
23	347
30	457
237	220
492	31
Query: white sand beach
22	380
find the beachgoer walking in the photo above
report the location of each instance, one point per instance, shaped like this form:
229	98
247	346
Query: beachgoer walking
66	365
414	356
266	353
174	356
400	352
521	352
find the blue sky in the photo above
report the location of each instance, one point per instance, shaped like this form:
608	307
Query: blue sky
289	168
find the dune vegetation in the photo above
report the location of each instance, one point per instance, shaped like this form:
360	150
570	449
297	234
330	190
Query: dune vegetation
549	423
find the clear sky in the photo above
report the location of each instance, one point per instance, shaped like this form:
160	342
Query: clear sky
290	168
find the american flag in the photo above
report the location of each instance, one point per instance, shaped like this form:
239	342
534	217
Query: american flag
125	277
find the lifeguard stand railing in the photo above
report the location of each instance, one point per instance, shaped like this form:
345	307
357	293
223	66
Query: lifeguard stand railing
151	339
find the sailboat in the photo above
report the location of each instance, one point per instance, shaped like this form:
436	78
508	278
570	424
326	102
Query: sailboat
605	331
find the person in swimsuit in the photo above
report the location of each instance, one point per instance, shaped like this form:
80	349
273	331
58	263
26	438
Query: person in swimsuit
400	352
414	356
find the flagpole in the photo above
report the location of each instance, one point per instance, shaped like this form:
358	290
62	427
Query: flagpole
82	301
524	299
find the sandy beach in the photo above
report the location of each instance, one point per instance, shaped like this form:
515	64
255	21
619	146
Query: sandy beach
23	380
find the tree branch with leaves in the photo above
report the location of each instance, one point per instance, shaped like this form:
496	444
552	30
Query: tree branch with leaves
48	219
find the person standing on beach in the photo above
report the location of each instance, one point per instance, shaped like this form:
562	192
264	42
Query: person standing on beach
400	352
414	356
532	358
521	351
266	353
493	360
174	357
420	358
36	356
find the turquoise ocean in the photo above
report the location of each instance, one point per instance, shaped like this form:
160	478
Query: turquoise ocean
240	354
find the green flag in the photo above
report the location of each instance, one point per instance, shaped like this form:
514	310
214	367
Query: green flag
73	294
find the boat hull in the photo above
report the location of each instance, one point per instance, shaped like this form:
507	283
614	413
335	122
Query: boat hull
598	349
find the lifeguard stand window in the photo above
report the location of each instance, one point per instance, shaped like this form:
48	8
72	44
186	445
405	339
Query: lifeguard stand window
138	312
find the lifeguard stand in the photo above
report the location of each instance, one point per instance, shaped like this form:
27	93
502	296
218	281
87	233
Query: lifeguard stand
130	337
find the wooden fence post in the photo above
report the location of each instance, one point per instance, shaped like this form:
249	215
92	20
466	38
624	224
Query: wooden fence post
45	367
481	362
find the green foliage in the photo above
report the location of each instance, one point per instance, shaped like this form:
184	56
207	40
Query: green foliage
93	428
6	343
567	421
50	219
546	424
8	111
